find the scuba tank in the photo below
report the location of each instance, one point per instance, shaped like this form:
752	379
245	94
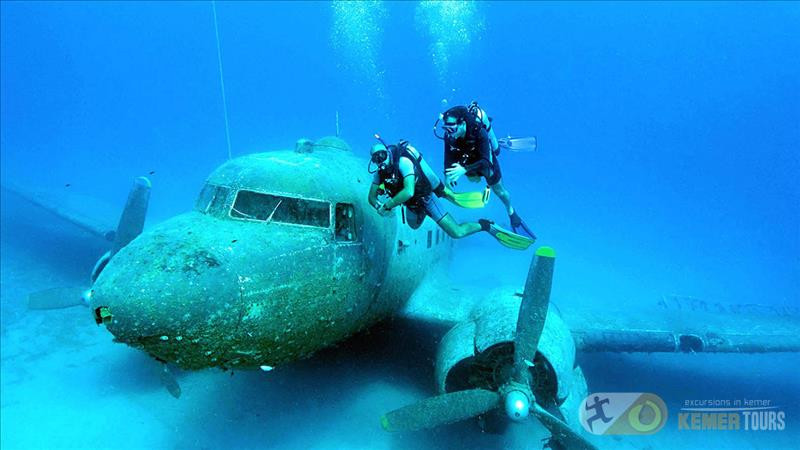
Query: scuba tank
480	116
485	121
392	181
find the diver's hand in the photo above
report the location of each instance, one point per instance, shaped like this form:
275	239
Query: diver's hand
383	208
454	173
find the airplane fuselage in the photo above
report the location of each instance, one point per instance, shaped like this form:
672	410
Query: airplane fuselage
282	256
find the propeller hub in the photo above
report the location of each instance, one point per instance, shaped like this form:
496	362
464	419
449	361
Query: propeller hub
517	405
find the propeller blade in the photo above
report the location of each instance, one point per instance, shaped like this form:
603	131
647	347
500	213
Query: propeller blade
441	410
169	381
533	311
131	222
56	298
561	431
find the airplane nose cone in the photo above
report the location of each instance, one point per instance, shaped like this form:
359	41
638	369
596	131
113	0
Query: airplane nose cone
203	292
166	289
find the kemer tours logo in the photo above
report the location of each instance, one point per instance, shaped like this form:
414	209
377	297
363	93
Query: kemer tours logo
739	414
607	413
623	413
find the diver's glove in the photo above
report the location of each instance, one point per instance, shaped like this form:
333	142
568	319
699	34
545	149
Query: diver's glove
381	208
517	222
454	173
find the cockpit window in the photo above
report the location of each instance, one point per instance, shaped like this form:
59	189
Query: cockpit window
212	199
277	208
204	199
217	206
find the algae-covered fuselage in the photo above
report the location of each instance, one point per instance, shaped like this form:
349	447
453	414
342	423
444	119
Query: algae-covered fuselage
282	256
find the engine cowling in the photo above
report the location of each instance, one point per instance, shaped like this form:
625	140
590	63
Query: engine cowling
479	353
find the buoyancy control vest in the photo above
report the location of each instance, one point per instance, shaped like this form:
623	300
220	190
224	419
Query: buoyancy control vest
393	179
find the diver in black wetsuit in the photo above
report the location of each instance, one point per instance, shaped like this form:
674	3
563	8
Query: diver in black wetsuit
470	149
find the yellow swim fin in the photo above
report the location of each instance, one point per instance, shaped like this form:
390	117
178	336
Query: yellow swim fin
471	200
510	239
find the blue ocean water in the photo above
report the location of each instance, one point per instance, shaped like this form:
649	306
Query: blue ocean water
667	164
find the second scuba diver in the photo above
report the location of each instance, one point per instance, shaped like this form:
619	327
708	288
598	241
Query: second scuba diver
471	149
410	181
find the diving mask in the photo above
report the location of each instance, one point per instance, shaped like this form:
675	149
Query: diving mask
448	127
379	157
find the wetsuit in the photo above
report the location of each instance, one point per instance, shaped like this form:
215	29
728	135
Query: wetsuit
474	152
407	161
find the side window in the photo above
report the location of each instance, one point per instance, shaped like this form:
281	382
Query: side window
430	238
345	226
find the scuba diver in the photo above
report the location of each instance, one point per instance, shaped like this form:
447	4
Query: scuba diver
402	174
471	149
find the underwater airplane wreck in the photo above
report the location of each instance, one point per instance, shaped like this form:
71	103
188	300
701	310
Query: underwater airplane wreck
282	256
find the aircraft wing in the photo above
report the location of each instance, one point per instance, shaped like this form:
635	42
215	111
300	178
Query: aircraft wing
687	324
83	211
440	301
674	324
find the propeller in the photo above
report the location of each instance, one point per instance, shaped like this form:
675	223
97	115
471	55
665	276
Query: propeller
168	380
515	395
440	410
131	224
533	312
561	432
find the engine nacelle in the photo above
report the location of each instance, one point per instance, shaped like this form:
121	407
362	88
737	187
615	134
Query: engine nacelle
479	353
